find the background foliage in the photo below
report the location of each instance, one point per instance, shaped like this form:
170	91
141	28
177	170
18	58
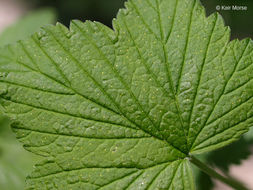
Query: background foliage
104	10
15	162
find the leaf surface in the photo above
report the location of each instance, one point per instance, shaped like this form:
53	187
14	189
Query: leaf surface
13	171
124	108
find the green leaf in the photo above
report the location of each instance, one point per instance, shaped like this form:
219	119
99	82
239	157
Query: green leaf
220	158
15	162
27	26
249	136
126	108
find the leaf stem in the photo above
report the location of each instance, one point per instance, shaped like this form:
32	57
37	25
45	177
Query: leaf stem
211	172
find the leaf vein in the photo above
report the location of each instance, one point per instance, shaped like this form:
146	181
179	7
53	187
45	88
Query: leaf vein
199	79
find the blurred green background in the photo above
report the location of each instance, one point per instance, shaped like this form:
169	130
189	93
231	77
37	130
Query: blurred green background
104	10
15	162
